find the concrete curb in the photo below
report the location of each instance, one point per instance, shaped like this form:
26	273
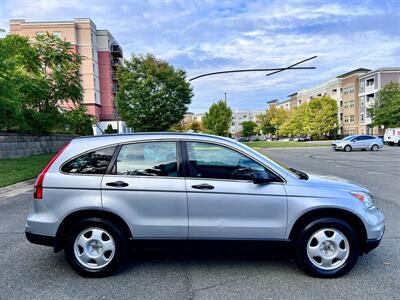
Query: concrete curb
16	189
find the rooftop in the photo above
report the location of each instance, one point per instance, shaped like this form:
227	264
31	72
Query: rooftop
359	70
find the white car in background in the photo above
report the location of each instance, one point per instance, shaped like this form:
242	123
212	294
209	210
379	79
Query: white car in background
392	136
359	142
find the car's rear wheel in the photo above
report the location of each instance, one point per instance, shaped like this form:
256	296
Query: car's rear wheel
374	148
347	148
327	247
95	247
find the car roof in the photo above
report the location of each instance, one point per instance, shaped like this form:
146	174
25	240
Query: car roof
92	142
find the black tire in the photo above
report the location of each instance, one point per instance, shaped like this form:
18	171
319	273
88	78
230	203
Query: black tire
347	148
301	244
374	147
398	143
391	144
120	242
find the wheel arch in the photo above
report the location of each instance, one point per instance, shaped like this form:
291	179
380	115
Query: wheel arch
75	216
342	214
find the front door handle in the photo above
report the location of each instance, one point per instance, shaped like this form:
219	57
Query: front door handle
204	186
117	184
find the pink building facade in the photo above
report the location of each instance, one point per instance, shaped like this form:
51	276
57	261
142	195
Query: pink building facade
101	53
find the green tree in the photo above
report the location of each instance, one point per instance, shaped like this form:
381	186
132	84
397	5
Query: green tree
386	110
78	121
271	120
218	118
110	129
321	116
264	125
152	95
248	128
58	80
297	122
17	79
36	81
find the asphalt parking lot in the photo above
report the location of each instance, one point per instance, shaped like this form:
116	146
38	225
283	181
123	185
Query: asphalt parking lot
35	272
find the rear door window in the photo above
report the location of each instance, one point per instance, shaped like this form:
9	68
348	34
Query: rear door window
95	162
147	159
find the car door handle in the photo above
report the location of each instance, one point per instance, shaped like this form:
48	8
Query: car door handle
117	184
204	186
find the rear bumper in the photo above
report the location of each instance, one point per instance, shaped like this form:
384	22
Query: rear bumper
40	239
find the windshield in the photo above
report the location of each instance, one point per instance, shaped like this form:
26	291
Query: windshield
350	137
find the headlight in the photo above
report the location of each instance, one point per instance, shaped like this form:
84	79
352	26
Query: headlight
364	197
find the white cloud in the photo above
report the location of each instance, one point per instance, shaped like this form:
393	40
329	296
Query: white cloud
207	36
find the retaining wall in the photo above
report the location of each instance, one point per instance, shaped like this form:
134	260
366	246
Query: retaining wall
20	145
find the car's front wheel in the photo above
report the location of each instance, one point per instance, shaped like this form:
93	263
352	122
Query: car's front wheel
347	148
327	247
95	247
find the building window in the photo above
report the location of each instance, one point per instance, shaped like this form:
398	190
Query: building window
370	82
57	33
362	86
352	118
362	118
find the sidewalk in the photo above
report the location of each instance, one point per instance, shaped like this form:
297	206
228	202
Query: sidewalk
16	189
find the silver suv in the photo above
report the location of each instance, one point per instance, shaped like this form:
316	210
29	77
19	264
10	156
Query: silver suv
99	193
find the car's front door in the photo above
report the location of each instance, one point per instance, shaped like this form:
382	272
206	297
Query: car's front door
146	188
359	142
223	200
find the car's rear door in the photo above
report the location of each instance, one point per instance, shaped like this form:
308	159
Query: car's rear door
146	188
223	203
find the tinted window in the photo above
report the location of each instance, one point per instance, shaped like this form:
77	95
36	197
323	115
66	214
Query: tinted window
148	159
95	162
213	161
368	137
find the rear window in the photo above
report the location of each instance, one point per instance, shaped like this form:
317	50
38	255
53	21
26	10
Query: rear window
95	162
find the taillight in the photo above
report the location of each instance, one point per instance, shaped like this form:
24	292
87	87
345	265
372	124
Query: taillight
38	190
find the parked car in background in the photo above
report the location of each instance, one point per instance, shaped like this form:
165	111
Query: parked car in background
99	193
392	136
358	142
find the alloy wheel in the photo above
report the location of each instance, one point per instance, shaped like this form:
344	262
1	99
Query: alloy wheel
328	249
94	248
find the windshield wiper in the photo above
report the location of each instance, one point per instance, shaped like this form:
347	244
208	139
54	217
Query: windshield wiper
301	174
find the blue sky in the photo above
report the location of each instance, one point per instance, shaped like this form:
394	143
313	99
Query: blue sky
207	36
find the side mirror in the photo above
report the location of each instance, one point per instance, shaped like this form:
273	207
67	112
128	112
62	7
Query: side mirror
262	178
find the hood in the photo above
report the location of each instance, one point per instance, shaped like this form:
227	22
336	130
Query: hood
335	183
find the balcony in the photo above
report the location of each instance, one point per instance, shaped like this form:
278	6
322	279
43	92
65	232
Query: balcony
114	75
115	62
108	117
116	50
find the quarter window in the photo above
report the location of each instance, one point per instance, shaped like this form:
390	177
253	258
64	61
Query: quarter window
147	159
95	162
214	161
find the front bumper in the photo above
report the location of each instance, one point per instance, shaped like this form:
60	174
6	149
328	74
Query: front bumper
337	147
373	243
40	239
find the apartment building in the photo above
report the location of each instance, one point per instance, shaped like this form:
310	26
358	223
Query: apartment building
370	84
286	105
349	104
293	100
101	53
240	116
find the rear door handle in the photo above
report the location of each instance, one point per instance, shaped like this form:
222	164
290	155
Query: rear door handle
117	184
204	186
